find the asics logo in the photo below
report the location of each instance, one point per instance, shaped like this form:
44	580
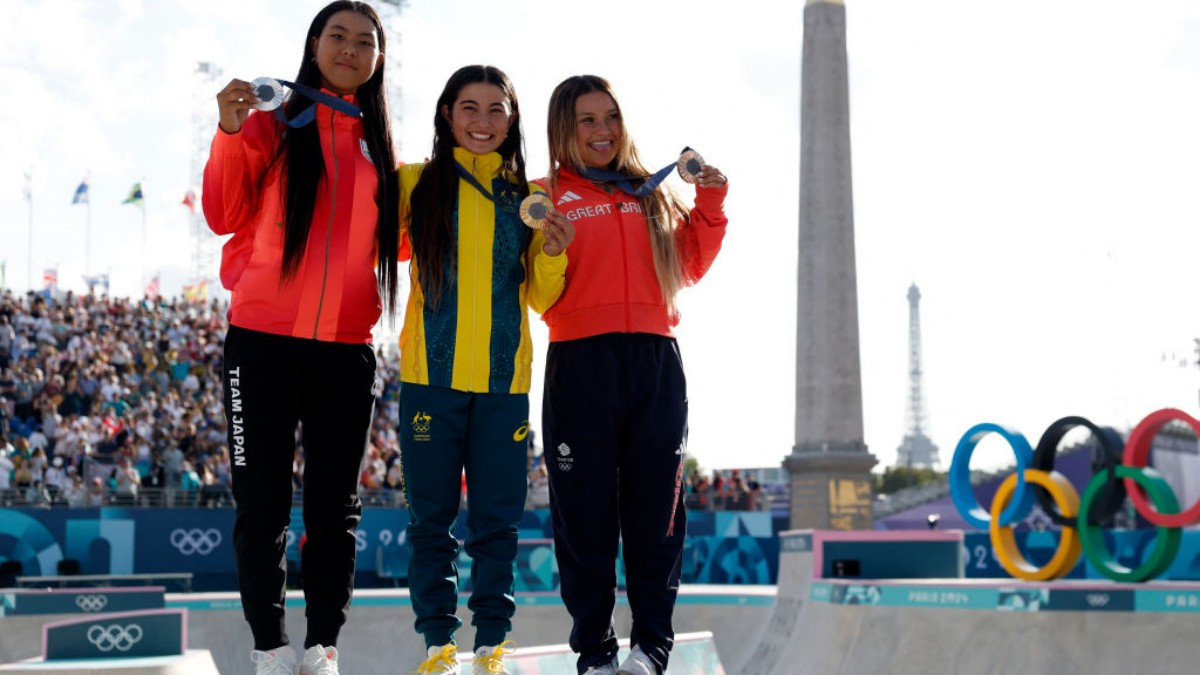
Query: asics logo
568	196
90	603
195	540
521	432
120	638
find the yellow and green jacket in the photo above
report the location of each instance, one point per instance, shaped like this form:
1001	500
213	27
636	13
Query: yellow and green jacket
478	339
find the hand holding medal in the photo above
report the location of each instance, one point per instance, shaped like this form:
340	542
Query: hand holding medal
538	212
692	169
267	93
690	165
234	103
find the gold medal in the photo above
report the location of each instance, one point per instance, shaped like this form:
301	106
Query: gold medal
534	210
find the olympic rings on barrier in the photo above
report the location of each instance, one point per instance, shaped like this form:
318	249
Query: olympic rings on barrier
115	636
1080	518
194	540
90	603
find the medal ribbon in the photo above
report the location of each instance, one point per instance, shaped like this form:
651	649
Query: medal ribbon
470	178
626	182
309	114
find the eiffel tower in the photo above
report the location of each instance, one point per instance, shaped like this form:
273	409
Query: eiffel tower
916	451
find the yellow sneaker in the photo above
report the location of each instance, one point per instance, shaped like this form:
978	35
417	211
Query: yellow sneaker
490	660
442	660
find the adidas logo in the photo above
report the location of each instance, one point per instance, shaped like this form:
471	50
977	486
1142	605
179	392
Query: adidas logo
569	196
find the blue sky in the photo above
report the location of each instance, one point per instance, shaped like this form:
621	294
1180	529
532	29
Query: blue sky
1031	166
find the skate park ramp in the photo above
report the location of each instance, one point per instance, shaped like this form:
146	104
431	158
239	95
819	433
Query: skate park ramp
968	627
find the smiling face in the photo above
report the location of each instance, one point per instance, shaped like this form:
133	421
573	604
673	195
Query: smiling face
480	117
347	52
598	129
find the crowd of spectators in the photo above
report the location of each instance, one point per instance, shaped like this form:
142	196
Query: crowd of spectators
109	401
116	402
722	492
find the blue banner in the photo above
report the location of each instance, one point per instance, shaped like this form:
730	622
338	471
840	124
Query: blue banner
722	547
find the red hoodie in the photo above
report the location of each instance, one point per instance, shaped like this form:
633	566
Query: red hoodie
611	284
334	296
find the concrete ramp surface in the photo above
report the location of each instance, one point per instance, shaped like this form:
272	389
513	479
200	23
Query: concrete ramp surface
970	627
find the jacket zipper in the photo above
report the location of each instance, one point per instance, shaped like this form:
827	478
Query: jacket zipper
329	228
624	260
475	286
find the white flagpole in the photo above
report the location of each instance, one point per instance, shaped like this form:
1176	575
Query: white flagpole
29	254
143	205
87	256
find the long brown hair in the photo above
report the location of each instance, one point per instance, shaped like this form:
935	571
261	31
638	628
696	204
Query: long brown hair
435	197
663	208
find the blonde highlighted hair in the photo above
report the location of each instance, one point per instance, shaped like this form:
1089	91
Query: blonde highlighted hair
662	208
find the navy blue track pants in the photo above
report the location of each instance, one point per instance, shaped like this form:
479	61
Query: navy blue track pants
615	422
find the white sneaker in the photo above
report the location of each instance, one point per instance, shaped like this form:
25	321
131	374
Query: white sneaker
442	660
319	660
609	669
490	660
278	661
637	663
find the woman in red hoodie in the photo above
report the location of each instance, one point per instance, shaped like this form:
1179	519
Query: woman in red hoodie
309	195
615	403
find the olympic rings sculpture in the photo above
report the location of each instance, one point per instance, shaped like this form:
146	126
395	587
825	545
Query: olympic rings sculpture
1123	471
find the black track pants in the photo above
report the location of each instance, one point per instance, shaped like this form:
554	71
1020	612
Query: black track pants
271	383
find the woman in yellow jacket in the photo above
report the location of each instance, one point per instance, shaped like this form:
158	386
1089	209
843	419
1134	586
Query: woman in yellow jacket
465	355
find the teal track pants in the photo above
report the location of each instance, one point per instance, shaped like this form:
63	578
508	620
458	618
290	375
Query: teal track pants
442	433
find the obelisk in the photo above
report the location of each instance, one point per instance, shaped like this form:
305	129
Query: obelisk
829	464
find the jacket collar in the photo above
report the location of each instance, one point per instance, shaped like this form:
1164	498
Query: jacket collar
326	115
482	166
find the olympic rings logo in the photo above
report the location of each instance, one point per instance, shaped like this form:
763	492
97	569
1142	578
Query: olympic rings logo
195	540
90	603
1079	517
120	638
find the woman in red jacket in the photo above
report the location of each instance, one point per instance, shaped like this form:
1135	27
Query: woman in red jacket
309	195
615	403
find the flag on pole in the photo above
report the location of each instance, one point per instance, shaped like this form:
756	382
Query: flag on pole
135	195
192	199
81	193
50	279
98	280
152	288
197	292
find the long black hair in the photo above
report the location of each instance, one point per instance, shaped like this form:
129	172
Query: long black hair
434	199
305	164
